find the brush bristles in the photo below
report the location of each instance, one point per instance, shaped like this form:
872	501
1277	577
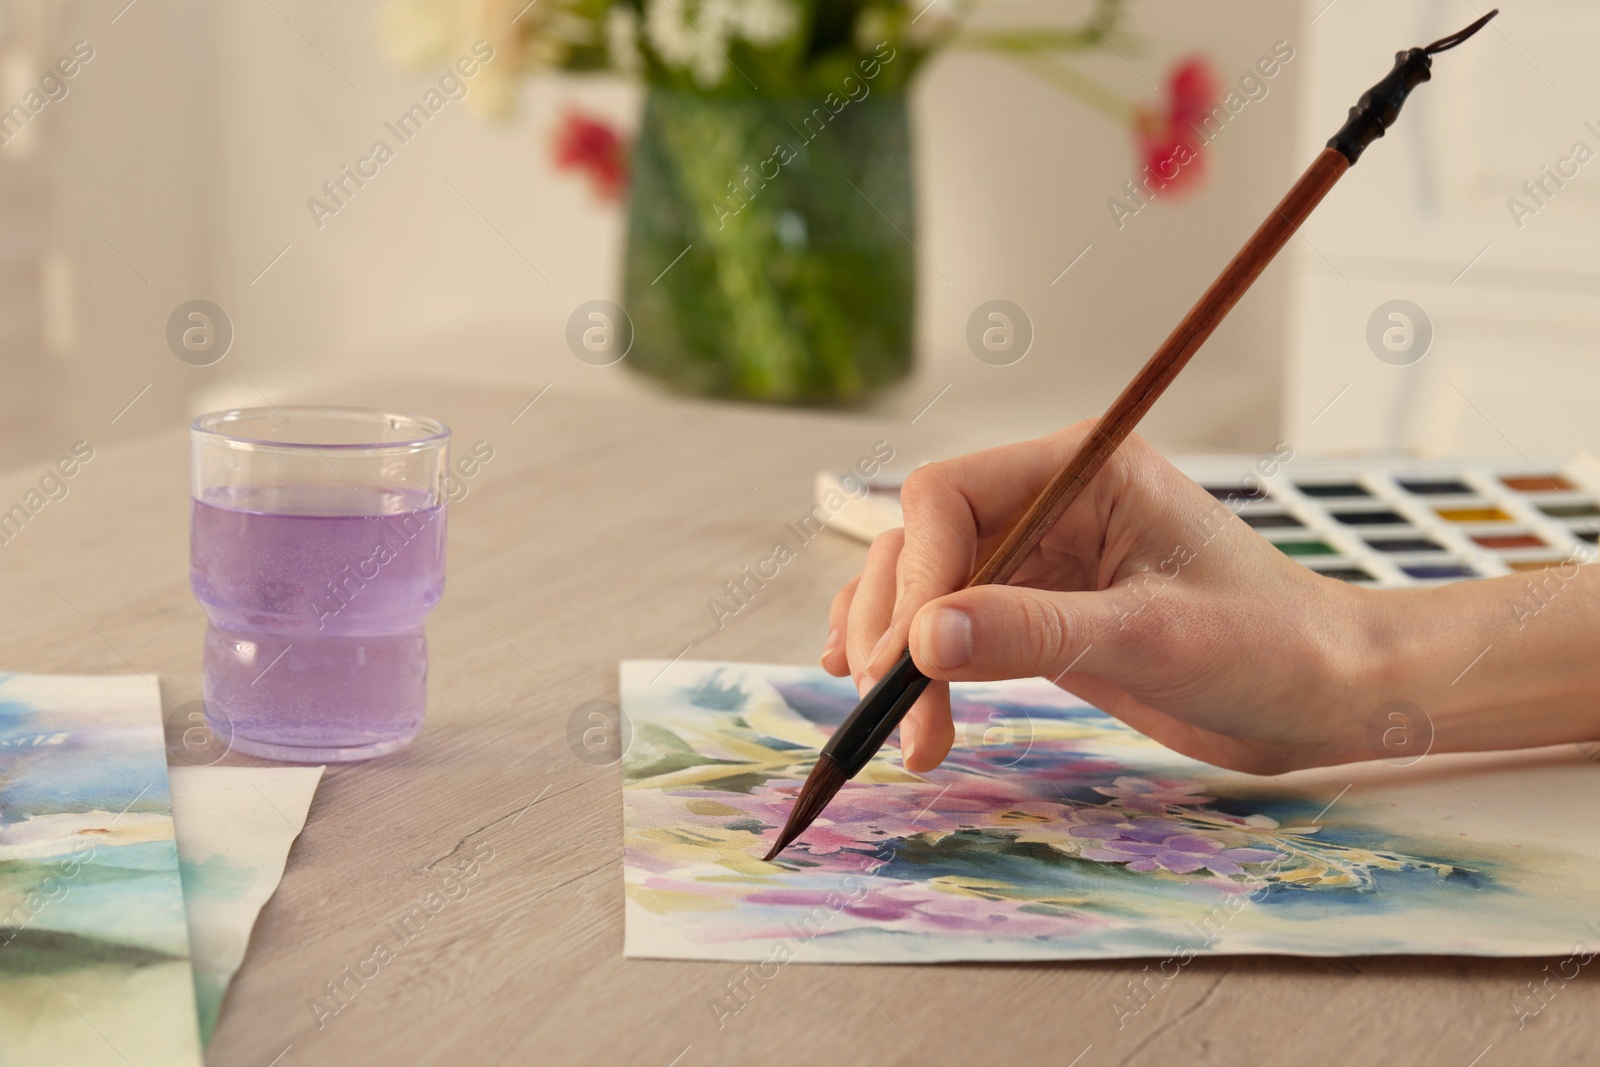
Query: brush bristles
822	784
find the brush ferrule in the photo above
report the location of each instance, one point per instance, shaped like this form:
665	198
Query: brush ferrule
856	740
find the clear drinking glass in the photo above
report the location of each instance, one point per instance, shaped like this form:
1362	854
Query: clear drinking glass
317	544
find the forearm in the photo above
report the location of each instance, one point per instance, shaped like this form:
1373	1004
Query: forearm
1510	662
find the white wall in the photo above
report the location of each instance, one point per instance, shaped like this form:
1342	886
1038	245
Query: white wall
1513	364
121	162
1017	179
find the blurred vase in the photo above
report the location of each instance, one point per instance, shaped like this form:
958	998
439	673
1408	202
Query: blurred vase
769	251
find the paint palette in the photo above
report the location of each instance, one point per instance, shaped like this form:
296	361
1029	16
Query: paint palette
1402	522
1379	522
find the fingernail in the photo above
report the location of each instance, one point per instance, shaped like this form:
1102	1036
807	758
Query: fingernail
947	638
877	649
833	642
908	742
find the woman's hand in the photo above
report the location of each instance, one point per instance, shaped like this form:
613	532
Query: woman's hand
1148	598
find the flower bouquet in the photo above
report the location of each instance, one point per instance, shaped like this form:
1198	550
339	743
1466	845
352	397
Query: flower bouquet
771	226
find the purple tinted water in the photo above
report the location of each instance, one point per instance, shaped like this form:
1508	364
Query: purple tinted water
316	598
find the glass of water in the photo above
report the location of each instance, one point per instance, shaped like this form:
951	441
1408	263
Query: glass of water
317	546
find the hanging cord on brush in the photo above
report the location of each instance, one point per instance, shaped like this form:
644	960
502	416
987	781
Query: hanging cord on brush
1444	44
1380	105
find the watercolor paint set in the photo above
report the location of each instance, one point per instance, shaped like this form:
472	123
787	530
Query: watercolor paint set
1417	522
1379	522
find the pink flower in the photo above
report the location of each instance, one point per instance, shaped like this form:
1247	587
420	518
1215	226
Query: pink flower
1165	133
592	147
1191	92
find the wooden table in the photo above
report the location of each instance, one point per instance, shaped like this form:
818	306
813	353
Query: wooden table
597	533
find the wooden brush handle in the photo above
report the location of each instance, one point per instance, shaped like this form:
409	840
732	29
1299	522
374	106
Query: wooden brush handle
1118	421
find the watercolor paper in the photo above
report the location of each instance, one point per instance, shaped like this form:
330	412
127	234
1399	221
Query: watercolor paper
235	827
94	949
1055	832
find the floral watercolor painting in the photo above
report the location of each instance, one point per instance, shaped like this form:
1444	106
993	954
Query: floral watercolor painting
94	949
1054	832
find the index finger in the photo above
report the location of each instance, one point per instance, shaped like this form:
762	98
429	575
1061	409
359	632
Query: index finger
956	509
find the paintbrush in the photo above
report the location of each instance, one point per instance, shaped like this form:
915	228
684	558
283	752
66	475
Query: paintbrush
863	733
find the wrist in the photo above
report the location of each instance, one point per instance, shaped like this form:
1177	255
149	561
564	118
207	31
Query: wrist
1380	710
1463	668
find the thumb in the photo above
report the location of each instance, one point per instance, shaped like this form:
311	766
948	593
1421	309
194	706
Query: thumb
993	632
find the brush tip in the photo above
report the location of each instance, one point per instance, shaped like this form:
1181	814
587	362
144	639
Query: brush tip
821	785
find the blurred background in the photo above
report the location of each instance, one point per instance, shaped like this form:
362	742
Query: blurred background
179	161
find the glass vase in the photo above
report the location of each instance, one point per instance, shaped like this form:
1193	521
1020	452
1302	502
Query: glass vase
769	252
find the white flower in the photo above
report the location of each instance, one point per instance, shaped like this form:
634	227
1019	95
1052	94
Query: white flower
765	22
872	28
622	38
420	33
697	47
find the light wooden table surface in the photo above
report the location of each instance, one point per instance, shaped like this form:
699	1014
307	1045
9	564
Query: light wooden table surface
597	533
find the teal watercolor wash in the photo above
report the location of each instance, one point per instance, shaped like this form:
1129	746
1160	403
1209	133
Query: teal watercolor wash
216	878
91	899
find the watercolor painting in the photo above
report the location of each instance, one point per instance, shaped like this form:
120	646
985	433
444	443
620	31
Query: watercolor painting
94	947
235	827
1055	832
